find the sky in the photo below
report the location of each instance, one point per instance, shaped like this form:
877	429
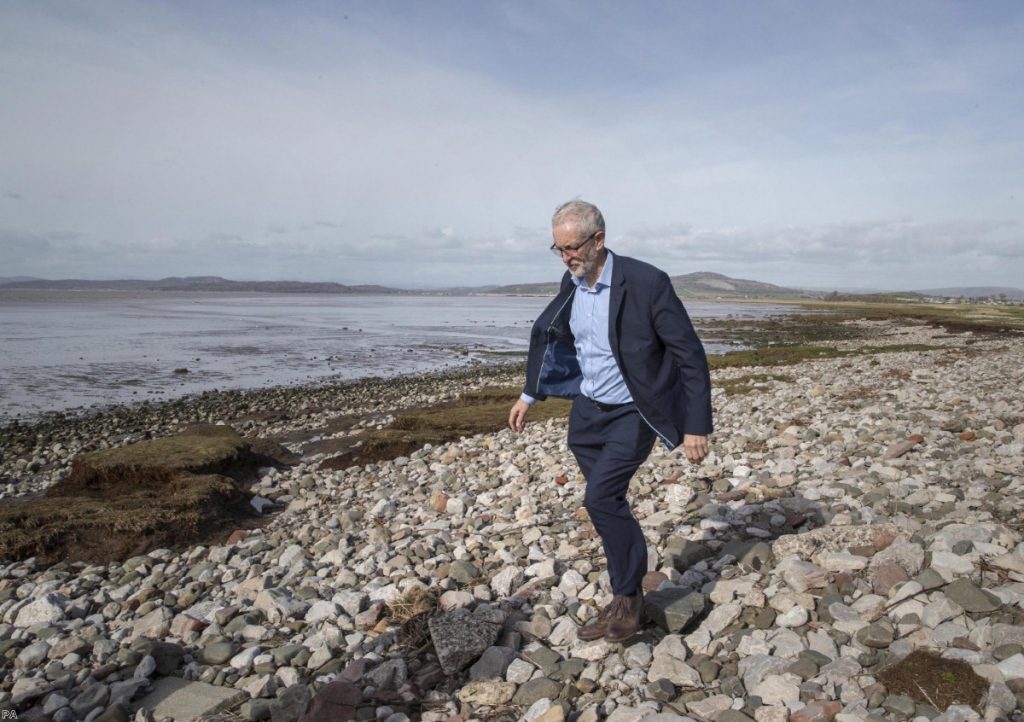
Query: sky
804	143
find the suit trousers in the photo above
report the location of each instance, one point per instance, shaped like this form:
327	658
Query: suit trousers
609	446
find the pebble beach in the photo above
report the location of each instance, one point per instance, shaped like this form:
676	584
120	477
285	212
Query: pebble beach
855	513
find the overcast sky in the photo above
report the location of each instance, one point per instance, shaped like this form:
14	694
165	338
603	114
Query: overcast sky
825	144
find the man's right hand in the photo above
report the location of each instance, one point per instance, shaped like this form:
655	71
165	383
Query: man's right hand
517	416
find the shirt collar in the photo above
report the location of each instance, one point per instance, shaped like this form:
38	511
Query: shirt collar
605	279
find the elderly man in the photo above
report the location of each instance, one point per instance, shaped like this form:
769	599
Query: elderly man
617	340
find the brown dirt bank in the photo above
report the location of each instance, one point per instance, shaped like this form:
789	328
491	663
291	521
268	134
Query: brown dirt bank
127	500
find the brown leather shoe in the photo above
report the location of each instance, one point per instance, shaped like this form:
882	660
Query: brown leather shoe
596	628
624	617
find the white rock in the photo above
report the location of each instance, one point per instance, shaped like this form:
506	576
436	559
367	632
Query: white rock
1012	667
710	707
321	610
507	580
721	617
795	617
776	689
951	566
675	671
45	610
244	659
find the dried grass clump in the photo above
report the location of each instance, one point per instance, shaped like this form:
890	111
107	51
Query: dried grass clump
411	604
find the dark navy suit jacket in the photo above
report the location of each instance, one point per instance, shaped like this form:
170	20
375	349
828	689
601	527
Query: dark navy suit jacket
661	359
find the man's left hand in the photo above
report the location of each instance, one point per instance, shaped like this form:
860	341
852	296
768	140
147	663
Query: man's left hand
695	447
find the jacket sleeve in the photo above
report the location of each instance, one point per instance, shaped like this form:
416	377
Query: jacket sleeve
675	330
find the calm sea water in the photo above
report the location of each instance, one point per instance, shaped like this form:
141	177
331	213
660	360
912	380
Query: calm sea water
66	350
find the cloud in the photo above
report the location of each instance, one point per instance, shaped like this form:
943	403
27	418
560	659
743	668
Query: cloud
889	241
11	195
270	142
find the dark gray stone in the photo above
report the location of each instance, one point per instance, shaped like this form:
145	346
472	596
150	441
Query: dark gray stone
685	553
540	688
708	670
750	555
662	690
219	652
463	572
255	710
1005	651
900	706
765	618
971	598
544	658
389	675
125	691
284	654
493	663
291	704
89	699
876	636
673	609
167	655
460	637
116	712
803	668
964	546
569	669
929	579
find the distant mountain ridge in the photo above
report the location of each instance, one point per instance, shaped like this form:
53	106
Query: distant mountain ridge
201	283
701	284
974	292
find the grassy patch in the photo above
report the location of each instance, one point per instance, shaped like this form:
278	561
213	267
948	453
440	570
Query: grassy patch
749	383
796	353
984	320
477	412
929	679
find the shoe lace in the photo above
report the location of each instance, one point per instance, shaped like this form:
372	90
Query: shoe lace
619	608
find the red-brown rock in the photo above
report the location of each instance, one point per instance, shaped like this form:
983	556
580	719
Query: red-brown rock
823	711
887	575
439	502
237	535
883	539
968	436
336	702
915	438
653	580
562	480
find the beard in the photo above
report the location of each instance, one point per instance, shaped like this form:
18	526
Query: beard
584	266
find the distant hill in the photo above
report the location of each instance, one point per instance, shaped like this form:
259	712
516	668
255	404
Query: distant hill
705	283
702	284
201	283
975	292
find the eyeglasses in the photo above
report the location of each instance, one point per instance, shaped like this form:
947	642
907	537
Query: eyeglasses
575	249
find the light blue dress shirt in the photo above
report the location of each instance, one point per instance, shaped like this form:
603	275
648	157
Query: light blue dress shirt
602	380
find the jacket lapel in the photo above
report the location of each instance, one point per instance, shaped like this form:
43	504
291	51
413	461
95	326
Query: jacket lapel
618	292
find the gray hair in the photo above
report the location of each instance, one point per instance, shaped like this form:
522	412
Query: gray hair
585	216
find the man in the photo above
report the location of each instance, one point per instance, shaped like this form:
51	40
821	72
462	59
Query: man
617	340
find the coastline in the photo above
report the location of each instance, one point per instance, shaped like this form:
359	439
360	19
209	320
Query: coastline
856	508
